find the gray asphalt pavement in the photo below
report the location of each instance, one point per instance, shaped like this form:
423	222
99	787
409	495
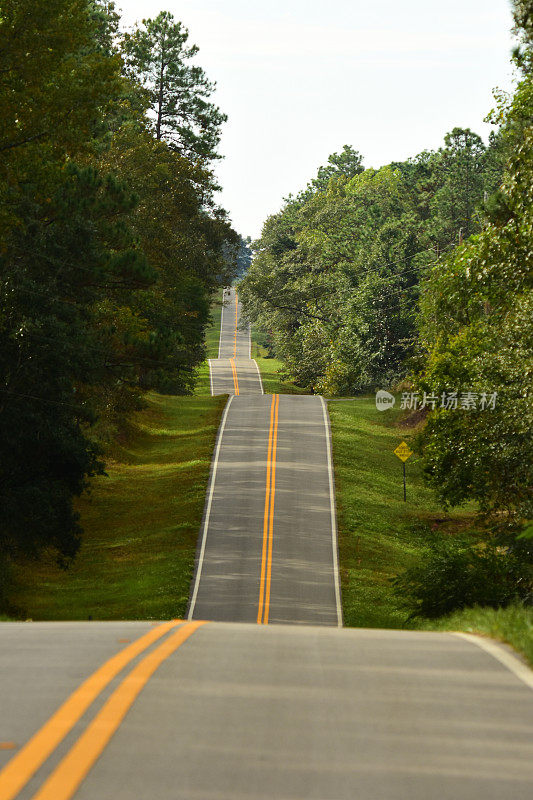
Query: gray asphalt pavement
297	567
235	376
275	713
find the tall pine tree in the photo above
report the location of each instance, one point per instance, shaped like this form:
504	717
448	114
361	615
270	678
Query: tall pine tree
158	52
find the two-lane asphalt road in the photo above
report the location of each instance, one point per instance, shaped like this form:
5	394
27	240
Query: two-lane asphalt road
234	371
268	547
236	711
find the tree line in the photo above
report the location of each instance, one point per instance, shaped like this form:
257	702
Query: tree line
418	276
337	273
111	244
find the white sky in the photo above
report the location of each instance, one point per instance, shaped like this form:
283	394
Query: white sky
301	78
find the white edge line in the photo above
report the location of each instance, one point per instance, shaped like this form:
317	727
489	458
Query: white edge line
221	324
259	373
210	376
334	541
249	340
522	671
208	508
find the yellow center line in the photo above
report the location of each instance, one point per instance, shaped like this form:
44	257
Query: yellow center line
233	364
268	518
271	515
236	323
74	767
266	515
27	761
235	378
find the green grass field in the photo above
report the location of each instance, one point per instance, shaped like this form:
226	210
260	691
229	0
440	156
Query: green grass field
203	381
380	535
272	372
212	335
203	384
141	523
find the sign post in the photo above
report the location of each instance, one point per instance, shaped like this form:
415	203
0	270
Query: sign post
403	452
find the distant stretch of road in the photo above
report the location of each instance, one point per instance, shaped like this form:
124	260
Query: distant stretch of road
234	371
268	548
271	699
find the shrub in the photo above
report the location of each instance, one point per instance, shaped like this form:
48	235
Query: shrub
456	573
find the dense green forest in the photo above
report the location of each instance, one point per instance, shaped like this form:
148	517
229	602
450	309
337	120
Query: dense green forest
111	244
337	273
417	277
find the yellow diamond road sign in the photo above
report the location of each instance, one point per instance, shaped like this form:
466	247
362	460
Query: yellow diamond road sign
403	452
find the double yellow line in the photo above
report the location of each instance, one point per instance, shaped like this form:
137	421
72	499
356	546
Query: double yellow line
235	378
232	360
73	768
268	518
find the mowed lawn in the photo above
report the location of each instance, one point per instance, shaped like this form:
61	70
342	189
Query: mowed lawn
275	381
379	533
212	336
140	523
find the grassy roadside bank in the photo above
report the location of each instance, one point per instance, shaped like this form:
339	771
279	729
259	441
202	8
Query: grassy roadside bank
271	370
513	625
141	523
380	535
212	336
